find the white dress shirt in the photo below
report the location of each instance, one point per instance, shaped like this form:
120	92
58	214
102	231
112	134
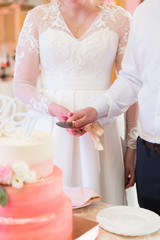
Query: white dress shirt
139	78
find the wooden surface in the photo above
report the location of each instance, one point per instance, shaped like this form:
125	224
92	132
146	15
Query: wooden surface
82	226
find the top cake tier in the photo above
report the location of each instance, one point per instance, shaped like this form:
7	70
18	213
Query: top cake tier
36	152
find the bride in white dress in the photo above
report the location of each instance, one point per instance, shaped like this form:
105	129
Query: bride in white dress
76	44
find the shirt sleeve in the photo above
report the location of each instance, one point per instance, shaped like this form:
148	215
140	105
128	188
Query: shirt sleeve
124	92
27	67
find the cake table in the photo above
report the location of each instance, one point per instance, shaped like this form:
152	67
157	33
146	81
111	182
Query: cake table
91	211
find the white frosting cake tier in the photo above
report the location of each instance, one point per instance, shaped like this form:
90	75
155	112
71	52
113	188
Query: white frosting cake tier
36	152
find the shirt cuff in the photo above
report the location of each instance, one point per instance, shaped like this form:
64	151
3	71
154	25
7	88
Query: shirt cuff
101	107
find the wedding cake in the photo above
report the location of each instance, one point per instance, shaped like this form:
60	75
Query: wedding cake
33	205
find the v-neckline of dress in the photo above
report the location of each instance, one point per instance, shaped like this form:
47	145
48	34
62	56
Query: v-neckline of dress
88	29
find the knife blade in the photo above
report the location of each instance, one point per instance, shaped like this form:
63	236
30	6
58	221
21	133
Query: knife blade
66	124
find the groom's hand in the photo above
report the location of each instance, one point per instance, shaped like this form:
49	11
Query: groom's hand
83	117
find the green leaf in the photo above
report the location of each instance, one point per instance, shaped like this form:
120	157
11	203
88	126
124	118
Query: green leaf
3	197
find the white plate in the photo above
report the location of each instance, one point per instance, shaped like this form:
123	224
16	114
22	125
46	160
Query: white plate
128	221
82	206
86	204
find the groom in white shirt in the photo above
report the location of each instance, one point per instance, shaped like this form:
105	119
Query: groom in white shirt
139	80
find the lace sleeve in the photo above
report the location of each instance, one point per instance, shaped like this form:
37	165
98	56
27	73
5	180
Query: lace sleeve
132	112
123	38
27	67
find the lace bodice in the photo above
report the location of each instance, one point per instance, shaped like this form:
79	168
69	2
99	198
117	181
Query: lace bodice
67	62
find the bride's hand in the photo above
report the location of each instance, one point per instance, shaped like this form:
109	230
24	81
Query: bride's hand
63	114
76	131
60	112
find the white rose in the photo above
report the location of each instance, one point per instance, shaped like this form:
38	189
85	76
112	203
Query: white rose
17	181
20	168
30	177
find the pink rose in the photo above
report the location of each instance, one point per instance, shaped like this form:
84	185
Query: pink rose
5	175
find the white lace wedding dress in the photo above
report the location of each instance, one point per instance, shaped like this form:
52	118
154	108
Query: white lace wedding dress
74	72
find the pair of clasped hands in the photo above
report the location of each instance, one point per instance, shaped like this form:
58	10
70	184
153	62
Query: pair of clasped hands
80	117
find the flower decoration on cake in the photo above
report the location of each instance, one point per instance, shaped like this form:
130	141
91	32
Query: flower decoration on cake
22	174
15	175
3	197
5	175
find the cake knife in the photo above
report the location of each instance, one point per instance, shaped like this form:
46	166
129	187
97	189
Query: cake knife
66	124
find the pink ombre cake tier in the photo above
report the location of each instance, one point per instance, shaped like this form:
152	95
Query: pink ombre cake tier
34	199
37	211
54	226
